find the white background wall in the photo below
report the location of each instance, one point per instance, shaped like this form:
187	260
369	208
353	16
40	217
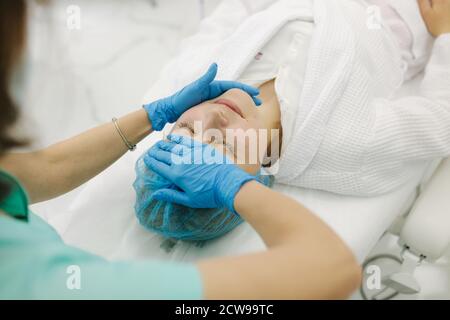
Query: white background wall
83	77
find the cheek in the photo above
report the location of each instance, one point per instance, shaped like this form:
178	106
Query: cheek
192	114
181	132
249	148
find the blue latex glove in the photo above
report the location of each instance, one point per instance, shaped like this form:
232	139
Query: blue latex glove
168	110
212	184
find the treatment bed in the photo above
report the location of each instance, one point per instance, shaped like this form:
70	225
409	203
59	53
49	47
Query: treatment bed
101	217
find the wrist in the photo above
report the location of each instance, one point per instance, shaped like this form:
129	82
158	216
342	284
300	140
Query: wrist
156	118
135	126
159	114
245	197
231	183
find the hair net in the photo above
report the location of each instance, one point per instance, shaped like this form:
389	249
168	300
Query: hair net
175	221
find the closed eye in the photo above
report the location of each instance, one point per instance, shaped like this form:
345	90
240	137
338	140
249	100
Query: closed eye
188	126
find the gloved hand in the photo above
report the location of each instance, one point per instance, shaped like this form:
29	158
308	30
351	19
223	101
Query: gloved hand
204	176
168	110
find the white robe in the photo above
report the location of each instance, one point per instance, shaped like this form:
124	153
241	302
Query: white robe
346	135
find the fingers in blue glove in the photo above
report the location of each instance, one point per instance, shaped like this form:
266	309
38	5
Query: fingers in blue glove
170	195
196	151
216	88
171	147
223	86
208	77
184	141
158	167
257	101
169	109
161	155
219	87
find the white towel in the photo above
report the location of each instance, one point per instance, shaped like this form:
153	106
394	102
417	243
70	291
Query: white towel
348	136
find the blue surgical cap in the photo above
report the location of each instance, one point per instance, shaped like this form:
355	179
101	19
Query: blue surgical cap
178	222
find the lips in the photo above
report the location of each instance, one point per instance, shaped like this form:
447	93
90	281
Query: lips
231	105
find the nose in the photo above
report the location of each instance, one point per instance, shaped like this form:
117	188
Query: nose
214	126
216	119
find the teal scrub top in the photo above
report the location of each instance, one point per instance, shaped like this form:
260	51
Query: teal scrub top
36	264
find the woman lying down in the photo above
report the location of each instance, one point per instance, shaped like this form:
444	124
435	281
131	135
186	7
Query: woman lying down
327	72
326	80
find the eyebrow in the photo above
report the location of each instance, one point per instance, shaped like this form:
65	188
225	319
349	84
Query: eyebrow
186	125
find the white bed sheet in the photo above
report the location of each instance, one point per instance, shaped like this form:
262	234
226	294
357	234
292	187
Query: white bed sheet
101	218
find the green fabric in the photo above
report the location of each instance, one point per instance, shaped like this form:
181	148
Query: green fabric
16	204
36	264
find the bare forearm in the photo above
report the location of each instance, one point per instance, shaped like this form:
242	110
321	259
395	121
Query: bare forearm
64	166
305	258
279	220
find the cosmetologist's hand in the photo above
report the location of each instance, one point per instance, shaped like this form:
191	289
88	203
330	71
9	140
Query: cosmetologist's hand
169	109
204	176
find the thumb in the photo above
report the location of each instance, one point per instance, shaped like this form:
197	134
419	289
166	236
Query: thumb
173	196
209	76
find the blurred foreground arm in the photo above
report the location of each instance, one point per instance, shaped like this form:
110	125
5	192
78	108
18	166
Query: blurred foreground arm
305	258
